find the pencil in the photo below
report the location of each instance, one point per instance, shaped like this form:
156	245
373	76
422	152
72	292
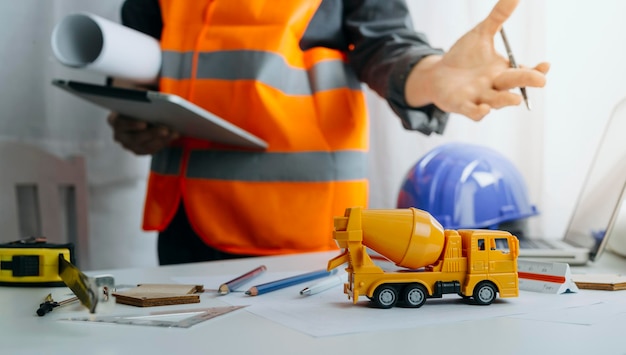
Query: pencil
290	281
225	288
513	64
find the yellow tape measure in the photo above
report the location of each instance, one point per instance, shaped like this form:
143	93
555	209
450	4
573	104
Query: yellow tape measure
32	262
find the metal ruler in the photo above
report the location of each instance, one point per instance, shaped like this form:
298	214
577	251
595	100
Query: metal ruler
167	319
545	277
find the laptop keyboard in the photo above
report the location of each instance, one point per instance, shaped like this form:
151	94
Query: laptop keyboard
536	244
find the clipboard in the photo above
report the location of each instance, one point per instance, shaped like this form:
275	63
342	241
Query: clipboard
166	109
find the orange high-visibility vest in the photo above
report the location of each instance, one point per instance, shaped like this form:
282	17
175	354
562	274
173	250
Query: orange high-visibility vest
241	60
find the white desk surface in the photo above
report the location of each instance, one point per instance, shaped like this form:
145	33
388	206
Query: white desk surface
243	332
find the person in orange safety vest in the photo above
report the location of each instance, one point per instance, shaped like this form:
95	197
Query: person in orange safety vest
290	72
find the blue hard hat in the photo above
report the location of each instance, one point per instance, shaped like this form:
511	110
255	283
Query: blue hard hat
466	186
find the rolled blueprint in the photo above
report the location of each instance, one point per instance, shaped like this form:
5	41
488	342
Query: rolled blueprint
87	41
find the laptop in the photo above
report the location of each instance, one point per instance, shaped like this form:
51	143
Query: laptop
165	109
598	205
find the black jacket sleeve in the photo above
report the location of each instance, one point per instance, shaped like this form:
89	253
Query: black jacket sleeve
143	16
384	48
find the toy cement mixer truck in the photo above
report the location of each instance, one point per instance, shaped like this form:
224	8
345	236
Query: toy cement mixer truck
474	264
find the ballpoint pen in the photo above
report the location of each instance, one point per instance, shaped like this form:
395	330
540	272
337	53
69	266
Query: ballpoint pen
513	64
290	281
325	284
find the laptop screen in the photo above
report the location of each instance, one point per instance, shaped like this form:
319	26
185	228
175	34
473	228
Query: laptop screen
601	197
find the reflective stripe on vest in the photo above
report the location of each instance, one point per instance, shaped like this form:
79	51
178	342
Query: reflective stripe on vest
254	166
260	66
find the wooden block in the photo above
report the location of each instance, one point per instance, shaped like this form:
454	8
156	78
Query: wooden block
149	295
607	282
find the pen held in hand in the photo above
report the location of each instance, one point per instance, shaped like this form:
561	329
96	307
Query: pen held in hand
513	64
229	286
290	281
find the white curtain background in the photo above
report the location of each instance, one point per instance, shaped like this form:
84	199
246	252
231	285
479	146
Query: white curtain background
552	145
33	111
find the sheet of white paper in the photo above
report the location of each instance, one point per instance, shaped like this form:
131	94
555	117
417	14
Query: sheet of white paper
589	307
589	314
332	313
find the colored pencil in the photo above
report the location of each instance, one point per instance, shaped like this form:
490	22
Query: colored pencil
225	288
290	281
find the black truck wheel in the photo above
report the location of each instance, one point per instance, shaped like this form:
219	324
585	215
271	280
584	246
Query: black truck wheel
415	295
484	293
385	296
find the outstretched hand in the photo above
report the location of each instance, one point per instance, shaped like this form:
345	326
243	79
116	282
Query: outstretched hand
472	78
